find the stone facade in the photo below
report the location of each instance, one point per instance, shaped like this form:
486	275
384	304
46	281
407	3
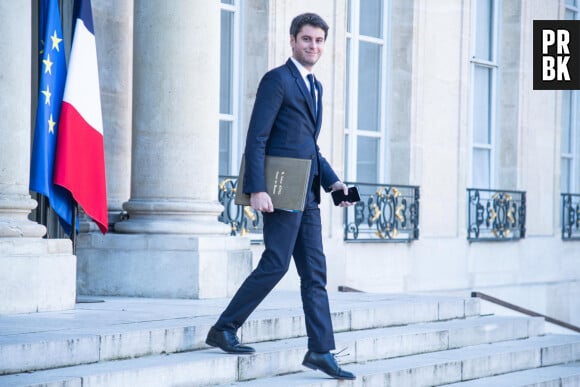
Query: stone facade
159	73
35	274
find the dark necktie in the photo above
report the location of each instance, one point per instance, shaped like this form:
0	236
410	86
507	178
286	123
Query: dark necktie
312	90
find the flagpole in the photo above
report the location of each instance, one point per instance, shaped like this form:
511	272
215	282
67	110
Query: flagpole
73	238
42	212
73	234
44	215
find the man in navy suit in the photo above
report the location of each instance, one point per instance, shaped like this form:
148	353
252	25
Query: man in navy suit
286	121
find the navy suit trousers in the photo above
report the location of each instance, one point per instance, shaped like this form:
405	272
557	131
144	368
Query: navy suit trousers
288	234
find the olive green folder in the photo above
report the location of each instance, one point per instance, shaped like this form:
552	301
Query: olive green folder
286	182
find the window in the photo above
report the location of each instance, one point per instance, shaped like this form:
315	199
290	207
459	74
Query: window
570	147
484	82
365	90
571	10
229	75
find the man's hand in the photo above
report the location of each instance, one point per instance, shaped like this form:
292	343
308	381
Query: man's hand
339	185
261	201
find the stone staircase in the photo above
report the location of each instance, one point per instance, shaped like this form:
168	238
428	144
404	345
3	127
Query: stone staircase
390	340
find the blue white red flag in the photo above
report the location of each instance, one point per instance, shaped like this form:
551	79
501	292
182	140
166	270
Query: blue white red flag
80	153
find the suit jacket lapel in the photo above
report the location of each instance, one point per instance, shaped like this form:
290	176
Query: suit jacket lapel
304	89
319	109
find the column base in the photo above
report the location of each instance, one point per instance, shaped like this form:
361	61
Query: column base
36	275
172	217
161	265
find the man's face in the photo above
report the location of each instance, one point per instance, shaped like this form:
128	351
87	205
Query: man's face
308	45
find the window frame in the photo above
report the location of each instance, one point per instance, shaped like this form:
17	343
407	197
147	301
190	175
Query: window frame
571	155
351	132
492	65
233	118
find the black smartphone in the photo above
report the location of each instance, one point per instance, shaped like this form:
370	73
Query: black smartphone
339	196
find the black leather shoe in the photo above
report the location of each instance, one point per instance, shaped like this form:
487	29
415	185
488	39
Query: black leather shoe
227	342
326	363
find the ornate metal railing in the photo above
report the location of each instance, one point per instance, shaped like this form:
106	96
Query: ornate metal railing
495	215
243	220
386	213
570	216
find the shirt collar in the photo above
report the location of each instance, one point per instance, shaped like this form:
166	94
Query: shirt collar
301	69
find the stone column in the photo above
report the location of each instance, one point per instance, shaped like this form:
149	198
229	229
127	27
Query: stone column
35	274
175	119
172	244
15	201
113	21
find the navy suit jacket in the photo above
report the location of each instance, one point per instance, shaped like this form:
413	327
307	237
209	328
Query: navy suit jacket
284	123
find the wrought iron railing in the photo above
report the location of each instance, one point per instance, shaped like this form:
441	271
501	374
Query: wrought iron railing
386	213
570	216
243	220
495	215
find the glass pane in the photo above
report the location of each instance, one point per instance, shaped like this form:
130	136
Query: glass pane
348	16
231	2
371	18
571	2
482	105
226	62
481	169
346	157
575	144
575	182
566	121
569	15
483	29
225	147
565	178
347	95
367	159
369	86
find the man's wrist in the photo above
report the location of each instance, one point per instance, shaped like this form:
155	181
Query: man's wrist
336	185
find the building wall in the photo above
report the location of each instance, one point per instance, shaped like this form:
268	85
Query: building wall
429	140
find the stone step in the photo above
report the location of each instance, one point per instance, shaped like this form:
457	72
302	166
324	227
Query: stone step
480	362
285	356
124	329
564	375
384	343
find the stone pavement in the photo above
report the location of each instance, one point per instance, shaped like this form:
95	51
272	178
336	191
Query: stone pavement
392	340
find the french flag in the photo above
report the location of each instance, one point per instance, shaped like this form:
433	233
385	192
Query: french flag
80	151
